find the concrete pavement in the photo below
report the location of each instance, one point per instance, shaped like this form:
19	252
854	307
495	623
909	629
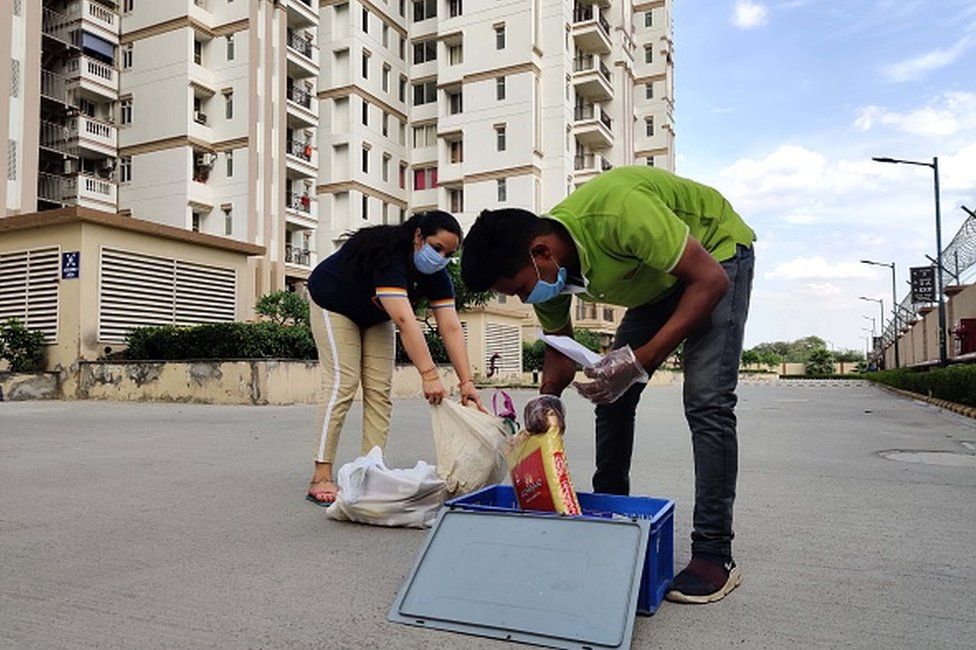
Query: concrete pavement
173	525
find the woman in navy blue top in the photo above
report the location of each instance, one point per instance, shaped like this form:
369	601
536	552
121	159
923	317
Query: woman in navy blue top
360	293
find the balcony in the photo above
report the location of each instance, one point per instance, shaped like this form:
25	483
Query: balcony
57	137
593	127
93	76
302	54
591	31
590	163
302	106
298	256
54	87
91	192
58	27
304	11
98	18
302	159
592	79
301	209
89	134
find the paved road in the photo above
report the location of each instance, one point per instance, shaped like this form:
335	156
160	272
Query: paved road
158	525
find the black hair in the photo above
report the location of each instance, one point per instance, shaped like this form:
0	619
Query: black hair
498	246
374	248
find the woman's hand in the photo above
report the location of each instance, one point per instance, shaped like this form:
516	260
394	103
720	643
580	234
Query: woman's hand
470	394
434	390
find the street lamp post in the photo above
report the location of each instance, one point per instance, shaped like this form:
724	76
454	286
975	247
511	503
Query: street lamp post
934	165
872	323
894	302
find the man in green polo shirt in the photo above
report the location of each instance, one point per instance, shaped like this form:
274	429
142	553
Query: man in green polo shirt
678	257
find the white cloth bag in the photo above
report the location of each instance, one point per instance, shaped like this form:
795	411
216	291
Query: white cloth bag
372	493
469	446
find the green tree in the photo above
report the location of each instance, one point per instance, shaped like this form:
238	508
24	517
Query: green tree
22	348
283	308
819	362
750	357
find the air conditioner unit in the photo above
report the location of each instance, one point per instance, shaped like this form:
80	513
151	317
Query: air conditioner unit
200	117
198	161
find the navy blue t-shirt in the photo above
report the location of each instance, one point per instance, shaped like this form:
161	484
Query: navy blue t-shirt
358	299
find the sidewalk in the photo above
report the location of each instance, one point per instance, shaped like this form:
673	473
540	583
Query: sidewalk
164	525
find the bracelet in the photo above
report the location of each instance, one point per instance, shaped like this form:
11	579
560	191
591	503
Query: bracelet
424	373
466	381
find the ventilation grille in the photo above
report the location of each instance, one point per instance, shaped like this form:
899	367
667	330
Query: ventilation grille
138	290
506	340
29	289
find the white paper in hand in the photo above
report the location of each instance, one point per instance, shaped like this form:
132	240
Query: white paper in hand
572	349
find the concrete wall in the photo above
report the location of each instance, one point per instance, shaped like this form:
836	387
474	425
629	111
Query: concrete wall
222	382
920	344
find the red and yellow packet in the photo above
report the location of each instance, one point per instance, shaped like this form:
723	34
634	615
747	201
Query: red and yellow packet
539	472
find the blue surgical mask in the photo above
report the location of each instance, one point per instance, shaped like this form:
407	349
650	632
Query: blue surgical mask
428	261
544	291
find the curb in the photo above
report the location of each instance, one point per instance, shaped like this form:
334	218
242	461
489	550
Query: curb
961	409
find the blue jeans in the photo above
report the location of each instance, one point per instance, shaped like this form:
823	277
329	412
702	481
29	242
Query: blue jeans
711	372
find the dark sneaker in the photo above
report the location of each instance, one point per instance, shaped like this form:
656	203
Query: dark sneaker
705	580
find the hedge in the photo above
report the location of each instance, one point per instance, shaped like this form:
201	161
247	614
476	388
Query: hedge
263	340
954	383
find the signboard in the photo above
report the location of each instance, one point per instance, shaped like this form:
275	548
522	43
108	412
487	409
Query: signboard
70	265
923	284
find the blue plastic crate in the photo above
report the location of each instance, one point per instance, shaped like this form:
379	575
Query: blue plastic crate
659	563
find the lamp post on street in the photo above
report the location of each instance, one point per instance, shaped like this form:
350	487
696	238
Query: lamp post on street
894	302
934	166
872	323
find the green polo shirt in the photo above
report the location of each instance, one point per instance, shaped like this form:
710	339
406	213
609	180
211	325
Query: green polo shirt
630	226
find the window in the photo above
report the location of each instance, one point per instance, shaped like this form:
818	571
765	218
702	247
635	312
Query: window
127	6
608	311
457	199
455	54
648	54
386	35
386	213
229	105
197	52
403	47
500	37
424	178
386	168
365	112
424	9
424	136
195	222
228	221
650	161
500	137
364	207
125	169
403	7
403	176
424	51
455	102
402	93
127	56
403	132
500	88
425	93
365	64
649	126
456	151
386	124
365	159
649	90
455	8
648	19
365	20
229	159
502	190
230	47
386	78
125	111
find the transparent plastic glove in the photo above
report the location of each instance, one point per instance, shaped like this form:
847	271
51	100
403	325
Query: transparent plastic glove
612	376
538	410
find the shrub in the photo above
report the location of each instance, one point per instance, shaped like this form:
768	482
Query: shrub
954	383
821	362
265	340
22	348
283	307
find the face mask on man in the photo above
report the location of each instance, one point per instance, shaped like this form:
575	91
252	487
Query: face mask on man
543	290
428	261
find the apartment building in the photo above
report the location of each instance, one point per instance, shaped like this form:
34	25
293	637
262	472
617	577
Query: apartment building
287	124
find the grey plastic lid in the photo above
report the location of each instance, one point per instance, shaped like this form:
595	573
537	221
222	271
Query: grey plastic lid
553	581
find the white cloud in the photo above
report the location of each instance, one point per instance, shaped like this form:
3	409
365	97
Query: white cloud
800	219
912	69
949	114
802	268
822	289
749	14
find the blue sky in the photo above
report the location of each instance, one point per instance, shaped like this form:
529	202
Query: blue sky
782	104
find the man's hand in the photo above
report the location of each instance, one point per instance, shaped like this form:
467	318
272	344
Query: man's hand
538	410
613	375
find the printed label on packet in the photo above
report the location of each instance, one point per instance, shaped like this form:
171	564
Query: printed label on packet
529	480
565	487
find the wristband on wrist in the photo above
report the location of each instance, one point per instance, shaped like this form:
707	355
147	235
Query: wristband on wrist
424	373
466	381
